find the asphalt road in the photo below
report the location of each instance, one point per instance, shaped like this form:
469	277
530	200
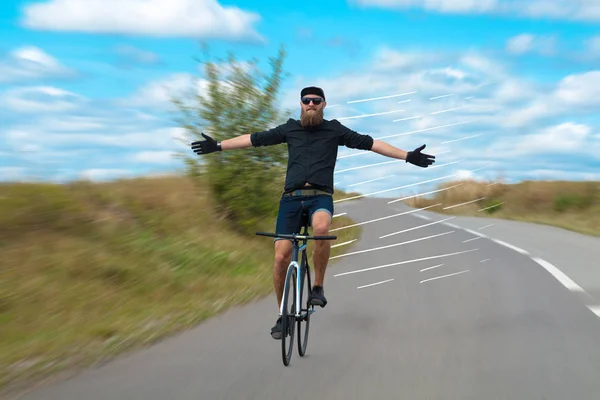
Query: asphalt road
456	318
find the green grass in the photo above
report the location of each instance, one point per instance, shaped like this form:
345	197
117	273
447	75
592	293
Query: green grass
92	270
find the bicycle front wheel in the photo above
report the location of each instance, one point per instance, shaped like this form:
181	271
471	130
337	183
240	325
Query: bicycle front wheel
288	316
305	310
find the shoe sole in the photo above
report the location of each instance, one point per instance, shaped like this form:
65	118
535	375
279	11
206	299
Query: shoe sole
276	335
316	302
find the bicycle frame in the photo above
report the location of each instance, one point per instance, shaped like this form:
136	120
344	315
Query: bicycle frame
296	250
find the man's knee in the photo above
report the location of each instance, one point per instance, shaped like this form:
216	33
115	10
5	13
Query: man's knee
320	223
283	251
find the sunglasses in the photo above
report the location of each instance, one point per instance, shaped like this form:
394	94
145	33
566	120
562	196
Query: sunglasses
316	100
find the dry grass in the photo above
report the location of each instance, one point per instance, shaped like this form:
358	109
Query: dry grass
569	205
92	270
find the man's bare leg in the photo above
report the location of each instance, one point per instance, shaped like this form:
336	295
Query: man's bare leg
320	223
283	256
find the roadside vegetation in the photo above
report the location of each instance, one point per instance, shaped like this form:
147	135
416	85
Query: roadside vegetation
90	270
565	204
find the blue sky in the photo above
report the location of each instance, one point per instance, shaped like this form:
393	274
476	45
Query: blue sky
510	87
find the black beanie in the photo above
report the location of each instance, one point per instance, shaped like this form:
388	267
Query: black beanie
312	90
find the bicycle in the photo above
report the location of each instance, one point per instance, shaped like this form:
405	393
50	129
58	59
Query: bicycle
296	314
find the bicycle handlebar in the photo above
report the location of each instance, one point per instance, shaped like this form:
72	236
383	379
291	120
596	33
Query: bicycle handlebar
295	236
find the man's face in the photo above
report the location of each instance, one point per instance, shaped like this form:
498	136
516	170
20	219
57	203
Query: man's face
311	113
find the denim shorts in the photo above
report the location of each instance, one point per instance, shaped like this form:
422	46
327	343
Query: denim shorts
289	219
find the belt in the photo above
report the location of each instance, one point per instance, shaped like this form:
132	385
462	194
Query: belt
306	192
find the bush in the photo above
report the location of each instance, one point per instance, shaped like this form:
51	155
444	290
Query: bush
491	206
245	184
564	202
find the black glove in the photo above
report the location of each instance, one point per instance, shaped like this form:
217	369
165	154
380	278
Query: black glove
420	159
209	145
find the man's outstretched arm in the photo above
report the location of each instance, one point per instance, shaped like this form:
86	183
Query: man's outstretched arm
210	145
414	157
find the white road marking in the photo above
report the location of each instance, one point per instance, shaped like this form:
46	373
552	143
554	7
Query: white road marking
404	262
444	276
495	205
482	261
423	194
391	245
462	204
405	119
443	111
373	284
470	240
405	101
382	97
435	266
464	138
371	180
396	188
382	218
477	169
416	227
425	130
487	226
339	215
595	310
510	246
475	233
439	97
443	165
562	278
367	166
352	155
370	115
425	217
452	225
342	244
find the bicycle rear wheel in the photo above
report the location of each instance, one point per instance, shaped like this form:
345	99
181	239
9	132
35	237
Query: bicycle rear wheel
305	310
288	316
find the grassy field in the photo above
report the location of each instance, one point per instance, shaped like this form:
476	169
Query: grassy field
90	270
570	205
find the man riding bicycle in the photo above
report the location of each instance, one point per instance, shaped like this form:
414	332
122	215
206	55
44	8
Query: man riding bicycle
312	152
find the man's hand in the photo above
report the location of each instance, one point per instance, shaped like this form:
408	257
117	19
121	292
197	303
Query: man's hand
420	159
209	145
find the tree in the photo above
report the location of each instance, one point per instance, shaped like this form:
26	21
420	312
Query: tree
239	99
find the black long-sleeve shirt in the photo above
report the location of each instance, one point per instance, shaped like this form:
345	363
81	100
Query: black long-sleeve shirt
312	152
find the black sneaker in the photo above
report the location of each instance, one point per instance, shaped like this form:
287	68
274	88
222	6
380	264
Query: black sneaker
317	297
276	330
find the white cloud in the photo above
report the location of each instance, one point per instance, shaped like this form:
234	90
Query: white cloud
11	174
520	44
566	137
580	89
154	157
133	55
158	94
158	138
104	174
182	18
528	43
40	99
29	63
585	10
593	46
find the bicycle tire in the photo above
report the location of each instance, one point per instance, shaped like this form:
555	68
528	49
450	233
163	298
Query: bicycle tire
305	309
288	317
